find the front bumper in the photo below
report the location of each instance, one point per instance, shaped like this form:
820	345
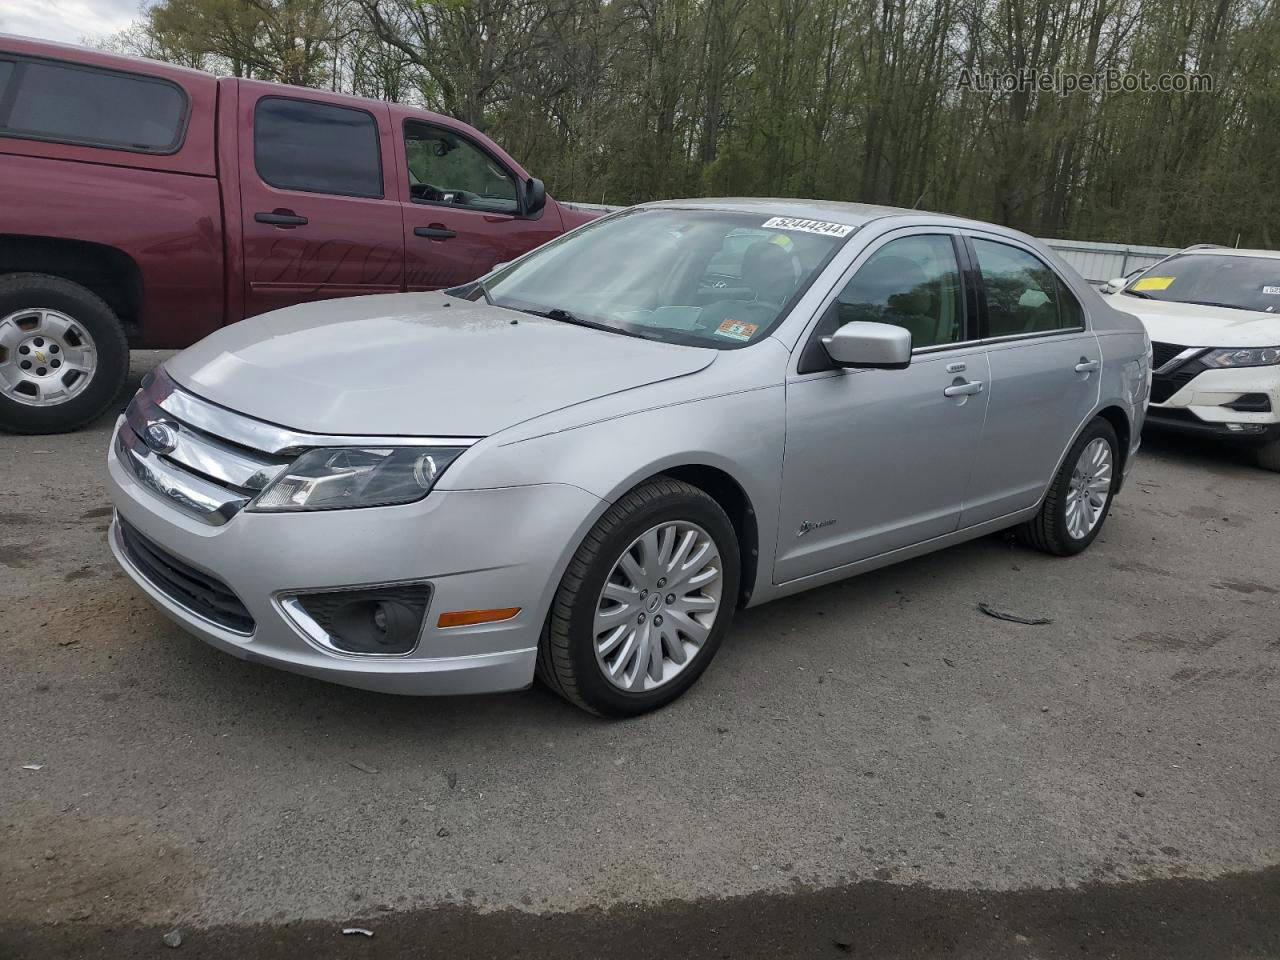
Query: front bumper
1202	404
477	549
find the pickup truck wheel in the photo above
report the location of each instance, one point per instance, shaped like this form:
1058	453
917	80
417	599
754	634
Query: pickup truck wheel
63	354
1076	506
645	602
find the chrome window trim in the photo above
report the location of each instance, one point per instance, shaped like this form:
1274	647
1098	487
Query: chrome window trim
267	437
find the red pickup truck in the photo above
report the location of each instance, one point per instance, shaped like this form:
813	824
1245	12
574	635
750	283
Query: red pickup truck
147	205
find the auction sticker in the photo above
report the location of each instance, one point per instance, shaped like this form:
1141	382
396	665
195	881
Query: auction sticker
1154	283
1271	291
822	227
737	331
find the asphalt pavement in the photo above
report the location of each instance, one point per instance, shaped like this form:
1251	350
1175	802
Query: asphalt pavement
874	768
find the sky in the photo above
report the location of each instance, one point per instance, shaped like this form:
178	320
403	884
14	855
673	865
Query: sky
69	21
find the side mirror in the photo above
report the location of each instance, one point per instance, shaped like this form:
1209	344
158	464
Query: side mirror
535	196
861	344
1114	285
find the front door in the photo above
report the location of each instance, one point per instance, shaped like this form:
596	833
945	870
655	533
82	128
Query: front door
879	459
463	212
1048	366
321	216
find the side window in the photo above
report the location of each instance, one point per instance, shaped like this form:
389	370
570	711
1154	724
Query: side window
1071	314
445	168
912	282
84	105
1023	295
317	147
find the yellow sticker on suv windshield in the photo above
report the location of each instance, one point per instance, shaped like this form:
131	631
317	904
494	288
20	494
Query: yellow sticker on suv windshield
1154	283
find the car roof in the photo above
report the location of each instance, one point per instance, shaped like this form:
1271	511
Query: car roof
1232	252
833	211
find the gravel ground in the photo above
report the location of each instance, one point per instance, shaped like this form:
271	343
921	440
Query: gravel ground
874	749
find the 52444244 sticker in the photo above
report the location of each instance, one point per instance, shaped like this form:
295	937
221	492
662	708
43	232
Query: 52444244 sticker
822	227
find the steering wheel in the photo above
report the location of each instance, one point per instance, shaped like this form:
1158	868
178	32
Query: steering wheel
426	191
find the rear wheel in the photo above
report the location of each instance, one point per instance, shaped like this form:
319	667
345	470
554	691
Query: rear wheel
63	354
644	603
1079	498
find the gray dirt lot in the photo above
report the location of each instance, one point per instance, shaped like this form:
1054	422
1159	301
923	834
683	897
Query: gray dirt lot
877	731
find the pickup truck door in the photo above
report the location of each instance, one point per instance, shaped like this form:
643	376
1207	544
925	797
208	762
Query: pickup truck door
462	206
320	209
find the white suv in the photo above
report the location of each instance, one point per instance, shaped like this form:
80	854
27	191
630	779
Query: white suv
1213	314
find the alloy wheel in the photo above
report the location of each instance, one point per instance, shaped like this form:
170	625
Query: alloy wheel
46	357
657	607
1089	488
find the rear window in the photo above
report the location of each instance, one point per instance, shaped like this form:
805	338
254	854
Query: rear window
317	147
67	103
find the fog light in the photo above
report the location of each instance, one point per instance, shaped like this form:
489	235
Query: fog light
379	620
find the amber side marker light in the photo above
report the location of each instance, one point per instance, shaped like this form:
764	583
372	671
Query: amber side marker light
469	618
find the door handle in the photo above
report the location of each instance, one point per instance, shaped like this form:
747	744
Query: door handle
1087	366
436	232
281	219
966	389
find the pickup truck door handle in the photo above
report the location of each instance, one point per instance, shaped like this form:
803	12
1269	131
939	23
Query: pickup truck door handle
966	388
282	219
436	232
1087	366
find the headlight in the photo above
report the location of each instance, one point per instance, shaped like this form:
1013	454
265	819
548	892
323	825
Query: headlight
1243	357
335	478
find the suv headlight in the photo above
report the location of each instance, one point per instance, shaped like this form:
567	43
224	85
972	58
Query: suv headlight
336	478
1243	357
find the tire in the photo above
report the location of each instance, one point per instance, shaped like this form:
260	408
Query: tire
75	315
1050	530
1268	455
568	661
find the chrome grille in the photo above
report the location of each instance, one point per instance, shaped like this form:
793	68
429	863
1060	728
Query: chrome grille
192	452
210	461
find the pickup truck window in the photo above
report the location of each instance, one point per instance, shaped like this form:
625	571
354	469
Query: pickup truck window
71	103
317	147
6	68
446	168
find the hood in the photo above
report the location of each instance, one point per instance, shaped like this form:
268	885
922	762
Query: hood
410	365
1192	325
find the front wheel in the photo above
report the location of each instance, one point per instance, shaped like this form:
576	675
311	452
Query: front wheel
645	601
63	354
1079	498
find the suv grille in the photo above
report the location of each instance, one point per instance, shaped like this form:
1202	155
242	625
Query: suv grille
199	592
1162	353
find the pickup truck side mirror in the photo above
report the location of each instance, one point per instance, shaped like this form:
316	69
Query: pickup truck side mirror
860	343
535	196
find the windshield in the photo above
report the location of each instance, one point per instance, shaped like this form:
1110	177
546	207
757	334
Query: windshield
1241	283
701	277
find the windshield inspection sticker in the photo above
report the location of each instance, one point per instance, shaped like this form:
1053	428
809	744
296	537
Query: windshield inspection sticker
809	226
737	331
1154	283
1271	291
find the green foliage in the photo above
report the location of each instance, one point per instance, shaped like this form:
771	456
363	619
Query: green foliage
627	100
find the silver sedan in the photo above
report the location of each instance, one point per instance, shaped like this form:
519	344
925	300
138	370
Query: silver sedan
579	466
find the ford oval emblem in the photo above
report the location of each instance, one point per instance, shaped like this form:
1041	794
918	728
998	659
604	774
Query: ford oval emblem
162	437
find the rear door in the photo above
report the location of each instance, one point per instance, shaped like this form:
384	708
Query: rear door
320	212
462	207
1046	365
